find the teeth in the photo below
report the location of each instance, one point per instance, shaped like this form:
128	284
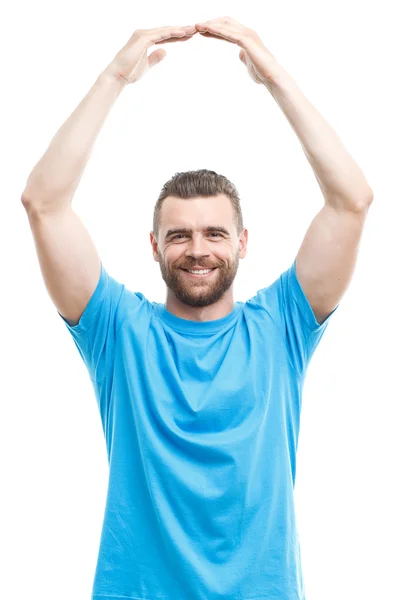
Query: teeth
202	272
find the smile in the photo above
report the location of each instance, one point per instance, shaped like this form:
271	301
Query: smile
198	276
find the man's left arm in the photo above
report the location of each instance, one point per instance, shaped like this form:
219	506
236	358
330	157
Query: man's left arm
326	259
327	256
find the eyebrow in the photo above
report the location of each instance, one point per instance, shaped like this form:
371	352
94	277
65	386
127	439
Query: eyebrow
186	230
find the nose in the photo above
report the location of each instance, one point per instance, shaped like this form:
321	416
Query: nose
198	247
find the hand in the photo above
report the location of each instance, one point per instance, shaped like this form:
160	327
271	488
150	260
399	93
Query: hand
260	62
132	61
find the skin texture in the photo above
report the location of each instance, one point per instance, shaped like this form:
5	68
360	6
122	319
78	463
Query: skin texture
190	298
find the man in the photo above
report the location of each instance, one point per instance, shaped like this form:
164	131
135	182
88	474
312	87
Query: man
199	398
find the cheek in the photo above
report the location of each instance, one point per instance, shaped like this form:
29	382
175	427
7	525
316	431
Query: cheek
224	253
172	255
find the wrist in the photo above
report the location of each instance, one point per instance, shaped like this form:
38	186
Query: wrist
277	77
112	77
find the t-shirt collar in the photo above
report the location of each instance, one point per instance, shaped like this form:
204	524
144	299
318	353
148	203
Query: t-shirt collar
190	326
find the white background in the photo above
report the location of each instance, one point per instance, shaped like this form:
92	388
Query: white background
199	108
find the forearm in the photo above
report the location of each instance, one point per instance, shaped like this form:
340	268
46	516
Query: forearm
340	178
56	176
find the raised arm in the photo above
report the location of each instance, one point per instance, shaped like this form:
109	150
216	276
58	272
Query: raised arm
68	258
327	257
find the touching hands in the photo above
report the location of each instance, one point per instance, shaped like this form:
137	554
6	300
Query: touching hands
132	61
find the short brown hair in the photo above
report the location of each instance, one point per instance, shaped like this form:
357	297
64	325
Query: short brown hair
191	184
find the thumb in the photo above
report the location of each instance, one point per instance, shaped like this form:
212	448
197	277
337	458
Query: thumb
156	57
242	55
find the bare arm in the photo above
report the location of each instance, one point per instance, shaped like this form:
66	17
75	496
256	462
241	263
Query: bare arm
56	176
68	259
326	260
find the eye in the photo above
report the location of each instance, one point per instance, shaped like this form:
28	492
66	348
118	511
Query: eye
179	235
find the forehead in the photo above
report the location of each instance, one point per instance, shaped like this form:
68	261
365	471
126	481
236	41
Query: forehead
197	212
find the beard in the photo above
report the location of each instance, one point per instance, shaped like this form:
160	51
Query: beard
199	292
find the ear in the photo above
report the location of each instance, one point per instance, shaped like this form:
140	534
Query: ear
154	245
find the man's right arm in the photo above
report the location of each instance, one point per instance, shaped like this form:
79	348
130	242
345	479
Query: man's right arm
54	179
68	258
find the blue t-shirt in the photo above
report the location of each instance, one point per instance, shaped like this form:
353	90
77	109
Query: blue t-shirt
201	423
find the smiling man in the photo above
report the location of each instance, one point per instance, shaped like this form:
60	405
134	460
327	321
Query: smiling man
199	397
201	241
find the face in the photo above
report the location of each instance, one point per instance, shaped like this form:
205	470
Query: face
213	248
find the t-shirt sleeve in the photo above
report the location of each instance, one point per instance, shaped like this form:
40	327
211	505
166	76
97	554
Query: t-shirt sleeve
288	307
94	335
